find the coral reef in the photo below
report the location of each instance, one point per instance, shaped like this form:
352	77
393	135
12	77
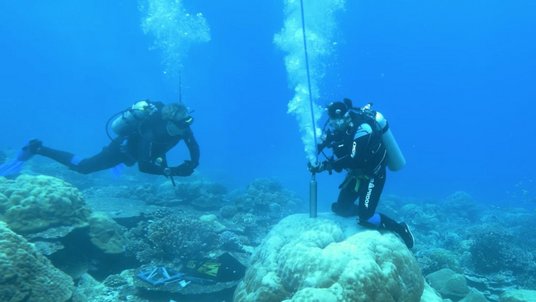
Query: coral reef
44	166
494	250
491	247
474	296
429	294
196	192
106	234
200	194
114	288
463	205
35	203
422	216
26	274
171	236
267	197
434	259
146	192
306	259
259	207
449	284
518	295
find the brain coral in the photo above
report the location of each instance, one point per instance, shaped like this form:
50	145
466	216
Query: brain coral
26	274
34	203
305	259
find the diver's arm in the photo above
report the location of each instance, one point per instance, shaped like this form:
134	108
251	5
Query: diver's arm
146	163
325	140
362	138
188	166
151	168
193	149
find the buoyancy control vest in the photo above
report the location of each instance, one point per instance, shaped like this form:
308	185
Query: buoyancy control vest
380	138
366	153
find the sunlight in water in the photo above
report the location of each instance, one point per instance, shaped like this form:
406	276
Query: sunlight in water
320	26
174	30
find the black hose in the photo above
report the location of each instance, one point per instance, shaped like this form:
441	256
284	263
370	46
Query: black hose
110	119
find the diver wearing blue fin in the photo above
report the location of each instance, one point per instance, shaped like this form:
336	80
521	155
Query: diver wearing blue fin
145	133
364	146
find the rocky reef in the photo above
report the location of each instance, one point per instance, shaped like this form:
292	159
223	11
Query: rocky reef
94	242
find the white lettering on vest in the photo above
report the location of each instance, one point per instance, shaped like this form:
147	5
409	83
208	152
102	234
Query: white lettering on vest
369	192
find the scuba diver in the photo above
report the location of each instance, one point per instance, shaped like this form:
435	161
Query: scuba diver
363	145
145	133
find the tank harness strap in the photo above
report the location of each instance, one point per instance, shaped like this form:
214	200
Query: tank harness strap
385	128
359	179
347	180
357	184
350	177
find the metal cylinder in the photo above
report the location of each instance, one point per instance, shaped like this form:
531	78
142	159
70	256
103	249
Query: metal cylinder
313	197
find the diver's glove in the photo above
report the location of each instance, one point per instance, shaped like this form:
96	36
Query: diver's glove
184	169
29	149
320	167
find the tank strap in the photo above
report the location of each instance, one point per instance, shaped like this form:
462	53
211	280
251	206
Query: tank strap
385	128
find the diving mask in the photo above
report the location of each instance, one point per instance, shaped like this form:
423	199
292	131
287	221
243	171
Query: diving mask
184	122
178	127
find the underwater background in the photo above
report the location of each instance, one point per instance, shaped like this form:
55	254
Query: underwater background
455	80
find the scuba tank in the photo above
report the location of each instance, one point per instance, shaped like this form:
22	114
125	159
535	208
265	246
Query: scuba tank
128	120
395	158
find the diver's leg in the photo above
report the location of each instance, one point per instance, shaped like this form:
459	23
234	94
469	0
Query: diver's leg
369	196
345	205
368	201
109	157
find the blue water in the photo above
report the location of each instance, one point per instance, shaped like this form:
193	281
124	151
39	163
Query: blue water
454	78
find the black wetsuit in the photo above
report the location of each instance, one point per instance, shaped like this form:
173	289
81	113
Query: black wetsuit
359	150
147	145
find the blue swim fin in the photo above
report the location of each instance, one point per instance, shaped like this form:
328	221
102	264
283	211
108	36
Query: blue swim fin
117	171
14	167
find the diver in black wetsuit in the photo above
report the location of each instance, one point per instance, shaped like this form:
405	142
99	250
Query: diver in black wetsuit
146	132
355	137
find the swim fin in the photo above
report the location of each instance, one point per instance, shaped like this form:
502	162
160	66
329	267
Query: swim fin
11	168
28	151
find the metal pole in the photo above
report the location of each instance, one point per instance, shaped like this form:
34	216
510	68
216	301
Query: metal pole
180	87
313	197
312	184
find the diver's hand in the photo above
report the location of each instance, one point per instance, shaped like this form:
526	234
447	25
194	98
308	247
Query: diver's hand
168	172
320	167
184	169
